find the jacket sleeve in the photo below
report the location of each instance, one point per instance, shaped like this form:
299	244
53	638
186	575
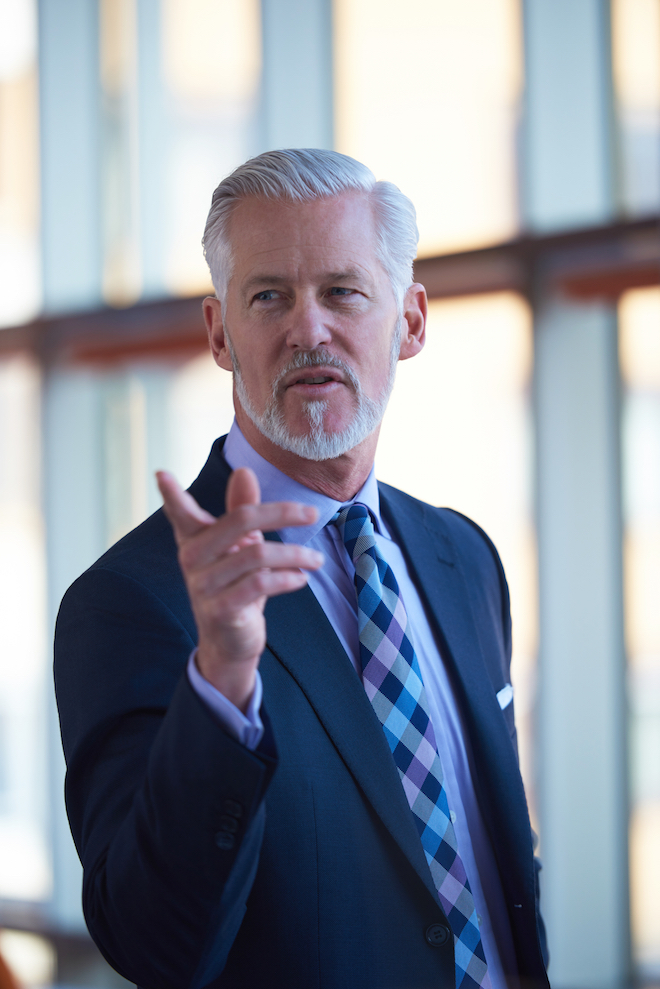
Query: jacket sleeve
166	809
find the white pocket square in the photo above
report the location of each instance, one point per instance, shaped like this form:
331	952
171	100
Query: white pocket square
505	695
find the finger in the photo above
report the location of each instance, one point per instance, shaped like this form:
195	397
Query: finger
255	587
242	489
186	516
237	529
261	556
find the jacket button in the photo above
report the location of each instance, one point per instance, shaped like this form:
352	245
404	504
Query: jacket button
437	935
225	841
229	824
233	807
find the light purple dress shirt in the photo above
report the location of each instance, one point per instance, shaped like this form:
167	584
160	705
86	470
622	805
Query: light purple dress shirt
334	589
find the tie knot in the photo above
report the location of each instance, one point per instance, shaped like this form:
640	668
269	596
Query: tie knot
356	528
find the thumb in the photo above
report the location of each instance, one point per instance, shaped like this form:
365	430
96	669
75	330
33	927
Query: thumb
242	489
182	510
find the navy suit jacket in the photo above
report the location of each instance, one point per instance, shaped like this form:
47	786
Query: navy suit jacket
297	865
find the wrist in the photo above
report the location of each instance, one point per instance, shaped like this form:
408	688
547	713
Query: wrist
235	681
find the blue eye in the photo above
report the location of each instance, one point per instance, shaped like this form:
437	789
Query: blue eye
337	290
265	296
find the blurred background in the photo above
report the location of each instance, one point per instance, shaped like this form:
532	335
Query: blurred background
527	133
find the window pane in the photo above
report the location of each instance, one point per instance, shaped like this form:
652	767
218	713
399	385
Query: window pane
457	432
24	670
180	84
636	58
19	167
201	408
212	65
149	416
427	95
639	315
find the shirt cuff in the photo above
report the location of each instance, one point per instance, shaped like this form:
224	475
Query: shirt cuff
247	728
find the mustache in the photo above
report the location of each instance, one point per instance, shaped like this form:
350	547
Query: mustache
316	358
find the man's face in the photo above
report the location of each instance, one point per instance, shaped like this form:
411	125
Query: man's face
310	323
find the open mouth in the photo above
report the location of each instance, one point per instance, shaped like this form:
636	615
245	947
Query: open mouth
313	377
321	380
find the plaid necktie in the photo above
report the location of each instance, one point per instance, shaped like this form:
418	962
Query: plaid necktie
393	682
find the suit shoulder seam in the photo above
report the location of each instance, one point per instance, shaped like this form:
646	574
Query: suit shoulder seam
134	580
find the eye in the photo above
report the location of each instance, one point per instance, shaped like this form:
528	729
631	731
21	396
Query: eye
266	295
339	291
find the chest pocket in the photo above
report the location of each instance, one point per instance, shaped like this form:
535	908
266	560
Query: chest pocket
505	700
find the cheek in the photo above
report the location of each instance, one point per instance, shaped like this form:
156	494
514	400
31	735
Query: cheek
255	365
377	372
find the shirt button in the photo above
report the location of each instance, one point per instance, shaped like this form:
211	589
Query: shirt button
452	816
437	935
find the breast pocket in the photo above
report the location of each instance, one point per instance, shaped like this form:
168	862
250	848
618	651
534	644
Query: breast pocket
505	700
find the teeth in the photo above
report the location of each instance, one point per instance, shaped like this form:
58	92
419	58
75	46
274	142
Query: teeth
316	381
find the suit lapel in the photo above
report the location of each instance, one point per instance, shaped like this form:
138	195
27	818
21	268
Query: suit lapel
208	488
436	569
432	558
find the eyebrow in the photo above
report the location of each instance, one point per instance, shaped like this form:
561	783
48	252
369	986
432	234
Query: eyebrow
350	274
255	280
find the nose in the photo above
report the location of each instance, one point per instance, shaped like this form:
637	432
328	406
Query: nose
308	326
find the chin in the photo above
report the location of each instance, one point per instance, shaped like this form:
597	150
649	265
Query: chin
316	441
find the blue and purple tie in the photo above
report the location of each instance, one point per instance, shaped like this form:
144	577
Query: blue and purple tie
393	682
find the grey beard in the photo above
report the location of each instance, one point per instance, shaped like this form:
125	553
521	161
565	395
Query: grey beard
318	443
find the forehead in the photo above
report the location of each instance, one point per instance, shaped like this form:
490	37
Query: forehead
272	234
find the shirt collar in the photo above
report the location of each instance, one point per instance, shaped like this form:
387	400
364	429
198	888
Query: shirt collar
276	486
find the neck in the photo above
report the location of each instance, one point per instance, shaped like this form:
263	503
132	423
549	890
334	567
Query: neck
340	478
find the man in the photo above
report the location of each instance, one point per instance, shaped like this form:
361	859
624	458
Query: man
291	755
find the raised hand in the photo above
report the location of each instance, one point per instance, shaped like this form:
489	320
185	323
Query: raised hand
231	570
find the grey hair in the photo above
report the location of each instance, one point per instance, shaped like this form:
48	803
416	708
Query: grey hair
300	175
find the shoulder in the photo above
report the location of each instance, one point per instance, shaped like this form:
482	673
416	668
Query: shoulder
147	555
465	541
452	540
145	560
134	590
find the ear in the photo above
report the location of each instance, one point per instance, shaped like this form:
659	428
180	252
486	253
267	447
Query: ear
415	307
212	309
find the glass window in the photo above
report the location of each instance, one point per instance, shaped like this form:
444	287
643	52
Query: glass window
180	85
200	409
639	315
118	56
154	415
211	56
19	167
24	860
636	58
427	94
457	433
30	957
